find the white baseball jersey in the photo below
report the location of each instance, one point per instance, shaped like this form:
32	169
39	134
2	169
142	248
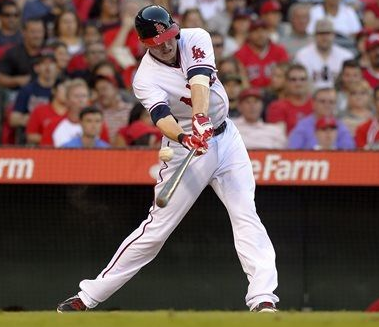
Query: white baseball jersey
226	167
156	83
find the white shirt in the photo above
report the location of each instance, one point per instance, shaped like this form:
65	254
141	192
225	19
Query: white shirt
65	131
156	83
261	135
208	8
322	73
346	22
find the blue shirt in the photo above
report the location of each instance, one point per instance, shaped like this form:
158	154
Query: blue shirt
76	143
31	95
303	136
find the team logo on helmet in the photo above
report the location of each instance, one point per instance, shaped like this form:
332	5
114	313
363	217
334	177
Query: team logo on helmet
160	28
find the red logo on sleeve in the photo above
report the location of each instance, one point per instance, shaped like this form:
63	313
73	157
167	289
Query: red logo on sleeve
197	53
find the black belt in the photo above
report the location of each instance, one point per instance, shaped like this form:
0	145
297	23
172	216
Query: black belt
220	129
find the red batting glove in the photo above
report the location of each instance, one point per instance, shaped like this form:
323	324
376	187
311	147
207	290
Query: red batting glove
202	126
193	142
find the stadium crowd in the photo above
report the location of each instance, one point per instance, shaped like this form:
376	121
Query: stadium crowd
299	74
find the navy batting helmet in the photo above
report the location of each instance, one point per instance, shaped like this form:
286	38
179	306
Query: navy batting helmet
155	25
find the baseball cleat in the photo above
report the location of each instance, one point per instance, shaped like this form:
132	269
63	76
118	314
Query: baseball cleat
265	307
72	304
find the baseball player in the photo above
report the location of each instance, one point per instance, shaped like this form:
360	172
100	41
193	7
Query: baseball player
176	81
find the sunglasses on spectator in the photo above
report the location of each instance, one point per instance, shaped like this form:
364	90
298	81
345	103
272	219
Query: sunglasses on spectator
7	14
297	79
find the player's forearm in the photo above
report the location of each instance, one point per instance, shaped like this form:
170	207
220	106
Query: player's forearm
200	99
169	127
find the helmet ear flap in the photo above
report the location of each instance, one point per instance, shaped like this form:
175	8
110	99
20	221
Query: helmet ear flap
178	36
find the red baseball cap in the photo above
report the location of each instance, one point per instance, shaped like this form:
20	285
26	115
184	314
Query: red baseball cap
372	41
270	6
326	122
251	92
257	23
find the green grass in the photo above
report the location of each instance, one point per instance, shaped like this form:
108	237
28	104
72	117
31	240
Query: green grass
187	319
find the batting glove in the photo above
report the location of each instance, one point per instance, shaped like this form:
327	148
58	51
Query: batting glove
202	126
193	142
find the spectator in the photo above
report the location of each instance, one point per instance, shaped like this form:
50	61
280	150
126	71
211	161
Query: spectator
237	33
270	12
192	18
323	59
233	87
344	19
303	136
360	45
116	111
63	129
326	133
94	54
106	13
255	133
36	92
298	37
43	114
371	15
218	42
16	65
351	74
67	30
208	9
35	9
277	88
371	73
10	33
61	56
296	103
107	68
367	134
231	66
91	121
358	106
258	54
140	130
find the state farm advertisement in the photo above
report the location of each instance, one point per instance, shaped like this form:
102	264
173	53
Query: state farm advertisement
140	167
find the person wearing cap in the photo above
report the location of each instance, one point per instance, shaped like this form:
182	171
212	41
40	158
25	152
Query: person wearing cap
326	133
38	91
271	14
367	134
259	54
303	136
322	58
371	73
43	114
344	19
115	110
371	15
255	133
297	37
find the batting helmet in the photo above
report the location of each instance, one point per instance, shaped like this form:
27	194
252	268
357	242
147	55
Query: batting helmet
155	25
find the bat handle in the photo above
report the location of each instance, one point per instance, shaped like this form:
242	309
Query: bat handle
168	189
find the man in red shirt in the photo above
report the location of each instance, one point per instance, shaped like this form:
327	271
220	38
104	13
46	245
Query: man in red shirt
371	73
367	134
259	54
296	104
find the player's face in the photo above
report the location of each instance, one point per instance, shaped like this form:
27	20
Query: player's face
91	125
166	51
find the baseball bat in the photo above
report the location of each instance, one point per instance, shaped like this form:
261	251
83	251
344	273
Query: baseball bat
168	190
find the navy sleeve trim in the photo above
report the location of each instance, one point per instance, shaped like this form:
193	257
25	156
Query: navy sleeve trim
199	71
159	111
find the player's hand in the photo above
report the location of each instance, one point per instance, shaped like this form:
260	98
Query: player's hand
202	126
194	142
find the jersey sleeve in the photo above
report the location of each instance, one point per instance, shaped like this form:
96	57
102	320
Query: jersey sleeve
199	56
